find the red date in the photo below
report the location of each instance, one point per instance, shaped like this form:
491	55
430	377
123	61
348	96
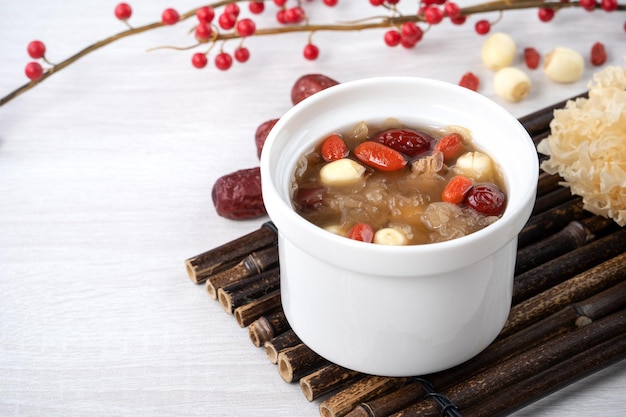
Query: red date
238	196
486	199
261	134
309	84
407	141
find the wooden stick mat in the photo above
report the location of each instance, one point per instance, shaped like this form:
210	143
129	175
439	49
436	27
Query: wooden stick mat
568	318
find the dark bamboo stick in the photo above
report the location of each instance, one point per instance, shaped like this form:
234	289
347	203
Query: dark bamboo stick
557	270
547	183
326	380
297	361
248	289
550	221
361	391
552	199
247	313
574	289
253	264
390	403
202	266
538	122
267	327
481	386
519	395
279	343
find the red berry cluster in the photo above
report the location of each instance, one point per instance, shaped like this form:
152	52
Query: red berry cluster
36	50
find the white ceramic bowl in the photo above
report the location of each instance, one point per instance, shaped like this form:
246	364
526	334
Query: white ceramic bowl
397	310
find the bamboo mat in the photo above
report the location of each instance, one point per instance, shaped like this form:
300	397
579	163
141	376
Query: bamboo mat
567	321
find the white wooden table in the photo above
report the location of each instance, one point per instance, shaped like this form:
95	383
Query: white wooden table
106	171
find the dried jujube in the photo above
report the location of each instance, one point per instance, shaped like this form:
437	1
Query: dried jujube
261	134
238	196
309	84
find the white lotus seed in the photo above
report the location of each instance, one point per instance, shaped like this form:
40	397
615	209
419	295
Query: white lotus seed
475	165
390	236
498	51
511	84
564	65
341	172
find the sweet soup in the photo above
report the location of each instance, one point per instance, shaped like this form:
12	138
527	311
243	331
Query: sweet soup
398	185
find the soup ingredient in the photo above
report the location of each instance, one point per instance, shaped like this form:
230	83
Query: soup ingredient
390	236
379	156
341	172
486	199
475	165
309	84
451	145
531	57
456	189
498	51
334	148
362	232
410	142
470	80
598	54
564	65
587	145
238	195
511	84
261	134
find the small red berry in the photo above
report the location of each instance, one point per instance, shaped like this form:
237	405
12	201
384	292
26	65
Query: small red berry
598	54
452	9
408	42
242	54
280	16
608	5
470	80
458	20
36	49
589	5
392	37
280	3
331	3
256	7
223	61
203	31
532	58
205	14
294	14
311	52
170	16
227	20
433	15
123	11
482	27
199	60
362	232
451	146
377	2
33	70
545	14
411	31
393	1
232	8
246	27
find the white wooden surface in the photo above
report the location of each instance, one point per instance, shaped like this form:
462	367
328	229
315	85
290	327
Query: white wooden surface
106	170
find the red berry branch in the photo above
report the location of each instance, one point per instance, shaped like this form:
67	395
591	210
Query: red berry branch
222	21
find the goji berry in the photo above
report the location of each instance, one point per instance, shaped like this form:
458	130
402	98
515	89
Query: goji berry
379	156
451	146
408	141
531	57
470	80
456	189
362	232
334	148
598	54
